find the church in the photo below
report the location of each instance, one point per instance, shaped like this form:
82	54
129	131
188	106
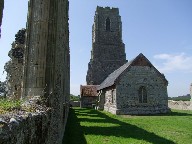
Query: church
123	87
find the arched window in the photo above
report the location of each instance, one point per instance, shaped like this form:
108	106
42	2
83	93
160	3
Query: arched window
108	24
142	95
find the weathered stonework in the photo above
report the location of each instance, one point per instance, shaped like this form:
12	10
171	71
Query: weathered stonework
22	127
191	91
180	105
135	88
1	13
14	67
75	103
108	50
36	48
46	75
46	63
128	101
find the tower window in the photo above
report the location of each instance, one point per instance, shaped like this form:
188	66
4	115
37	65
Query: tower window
142	95
108	24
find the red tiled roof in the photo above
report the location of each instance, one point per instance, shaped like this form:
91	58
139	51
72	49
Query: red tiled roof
88	90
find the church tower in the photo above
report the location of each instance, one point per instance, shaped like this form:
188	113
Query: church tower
108	49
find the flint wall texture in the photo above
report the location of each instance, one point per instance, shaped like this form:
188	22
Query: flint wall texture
124	98
26	129
180	105
14	67
47	61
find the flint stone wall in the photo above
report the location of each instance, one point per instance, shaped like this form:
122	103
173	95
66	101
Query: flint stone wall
31	128
124	99
180	105
88	101
75	103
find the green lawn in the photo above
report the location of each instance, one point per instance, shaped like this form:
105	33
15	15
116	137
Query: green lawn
88	126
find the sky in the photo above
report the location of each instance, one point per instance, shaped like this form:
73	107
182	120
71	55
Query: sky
160	29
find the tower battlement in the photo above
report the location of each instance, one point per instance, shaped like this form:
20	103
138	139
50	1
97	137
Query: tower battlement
107	9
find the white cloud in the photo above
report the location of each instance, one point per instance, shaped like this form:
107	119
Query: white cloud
174	62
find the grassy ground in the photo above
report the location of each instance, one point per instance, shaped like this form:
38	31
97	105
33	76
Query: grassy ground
88	126
8	105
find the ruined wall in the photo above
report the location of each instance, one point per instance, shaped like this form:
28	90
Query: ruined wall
36	48
108	50
1	13
110	104
101	100
58	80
14	67
75	103
180	105
88	101
47	61
25	127
191	91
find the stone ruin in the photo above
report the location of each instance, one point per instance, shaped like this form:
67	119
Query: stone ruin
39	71
1	13
3	89
181	105
191	91
14	67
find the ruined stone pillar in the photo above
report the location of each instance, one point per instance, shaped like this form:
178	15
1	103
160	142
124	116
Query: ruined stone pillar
47	67
1	13
36	48
58	74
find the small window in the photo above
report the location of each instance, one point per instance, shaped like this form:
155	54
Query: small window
108	24
112	96
142	95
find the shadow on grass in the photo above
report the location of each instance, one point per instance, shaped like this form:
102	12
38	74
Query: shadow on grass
73	132
122	129
173	113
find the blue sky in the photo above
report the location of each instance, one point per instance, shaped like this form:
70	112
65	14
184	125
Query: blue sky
160	29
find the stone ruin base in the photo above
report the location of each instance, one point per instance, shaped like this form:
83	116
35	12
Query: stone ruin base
137	110
180	105
32	126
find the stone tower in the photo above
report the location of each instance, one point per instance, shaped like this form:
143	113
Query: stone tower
108	49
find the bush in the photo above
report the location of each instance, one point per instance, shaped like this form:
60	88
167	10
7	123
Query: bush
74	98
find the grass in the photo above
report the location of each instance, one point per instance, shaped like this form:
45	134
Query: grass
9	105
88	126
